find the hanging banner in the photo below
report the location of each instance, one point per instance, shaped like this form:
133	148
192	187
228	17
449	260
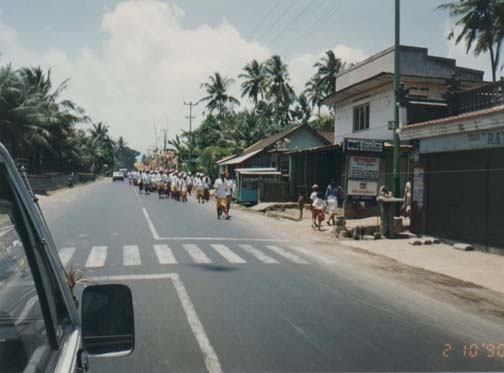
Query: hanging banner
418	185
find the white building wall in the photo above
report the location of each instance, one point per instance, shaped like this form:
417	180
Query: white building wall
380	112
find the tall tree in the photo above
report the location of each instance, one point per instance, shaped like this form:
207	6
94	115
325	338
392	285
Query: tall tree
327	68
315	92
216	88
279	88
302	111
480	25
254	85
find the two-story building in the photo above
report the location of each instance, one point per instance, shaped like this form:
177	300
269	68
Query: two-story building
458	170
363	105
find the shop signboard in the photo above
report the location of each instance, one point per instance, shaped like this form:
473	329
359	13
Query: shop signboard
362	188
363	167
363	145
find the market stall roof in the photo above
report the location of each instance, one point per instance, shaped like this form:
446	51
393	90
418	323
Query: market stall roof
239	159
260	173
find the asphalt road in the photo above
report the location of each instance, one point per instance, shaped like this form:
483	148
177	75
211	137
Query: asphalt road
212	295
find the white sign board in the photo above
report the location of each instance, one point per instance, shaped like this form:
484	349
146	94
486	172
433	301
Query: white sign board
363	167
362	188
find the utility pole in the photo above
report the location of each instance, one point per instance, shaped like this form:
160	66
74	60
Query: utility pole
190	117
397	84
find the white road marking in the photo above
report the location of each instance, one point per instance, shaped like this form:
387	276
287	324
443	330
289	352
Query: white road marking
66	254
212	362
223	239
286	254
164	254
151	224
258	254
227	254
195	252
26	309
131	255
320	257
97	256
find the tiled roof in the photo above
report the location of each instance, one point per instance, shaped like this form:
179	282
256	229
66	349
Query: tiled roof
328	135
469	115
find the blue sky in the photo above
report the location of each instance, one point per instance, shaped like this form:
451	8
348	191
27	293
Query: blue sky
133	63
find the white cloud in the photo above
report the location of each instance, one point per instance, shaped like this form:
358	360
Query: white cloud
301	68
148	65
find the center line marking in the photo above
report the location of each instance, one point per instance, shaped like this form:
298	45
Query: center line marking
212	362
151	224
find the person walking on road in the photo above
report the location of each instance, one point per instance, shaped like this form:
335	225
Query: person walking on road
221	187
206	188
331	197
300	206
229	191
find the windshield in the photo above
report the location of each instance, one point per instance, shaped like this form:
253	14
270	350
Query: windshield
284	186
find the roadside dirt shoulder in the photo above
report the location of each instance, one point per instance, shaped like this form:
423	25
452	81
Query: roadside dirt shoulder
459	293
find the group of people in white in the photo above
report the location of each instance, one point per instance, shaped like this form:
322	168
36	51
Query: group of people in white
177	185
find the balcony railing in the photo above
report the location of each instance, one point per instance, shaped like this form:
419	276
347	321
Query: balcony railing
480	98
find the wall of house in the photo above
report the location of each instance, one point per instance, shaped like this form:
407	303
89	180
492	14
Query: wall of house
380	111
303	139
414	61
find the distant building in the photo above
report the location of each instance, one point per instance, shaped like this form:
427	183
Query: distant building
271	151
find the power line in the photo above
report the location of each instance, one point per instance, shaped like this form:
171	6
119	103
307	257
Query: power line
277	19
289	25
263	20
319	22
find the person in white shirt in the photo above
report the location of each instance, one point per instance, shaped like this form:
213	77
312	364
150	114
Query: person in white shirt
221	187
313	196
183	189
318	209
229	191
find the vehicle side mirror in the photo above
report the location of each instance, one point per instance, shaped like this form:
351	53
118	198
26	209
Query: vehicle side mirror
108	323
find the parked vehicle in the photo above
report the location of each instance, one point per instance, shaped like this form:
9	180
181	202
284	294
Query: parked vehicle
117	175
42	328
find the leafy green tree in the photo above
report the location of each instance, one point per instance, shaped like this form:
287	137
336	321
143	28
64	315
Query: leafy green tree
279	91
217	97
255	83
315	92
327	69
480	25
302	111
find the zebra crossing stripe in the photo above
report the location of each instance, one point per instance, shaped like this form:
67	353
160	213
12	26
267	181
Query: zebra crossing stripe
286	254
196	254
66	254
97	256
227	254
131	255
164	254
258	254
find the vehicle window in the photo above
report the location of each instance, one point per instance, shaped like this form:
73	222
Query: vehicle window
23	335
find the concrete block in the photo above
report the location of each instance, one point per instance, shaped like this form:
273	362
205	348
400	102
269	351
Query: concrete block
368	237
463	246
343	234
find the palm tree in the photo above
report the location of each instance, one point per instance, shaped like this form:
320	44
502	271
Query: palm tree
315	92
481	25
255	81
303	110
179	146
327	68
279	89
250	129
216	89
